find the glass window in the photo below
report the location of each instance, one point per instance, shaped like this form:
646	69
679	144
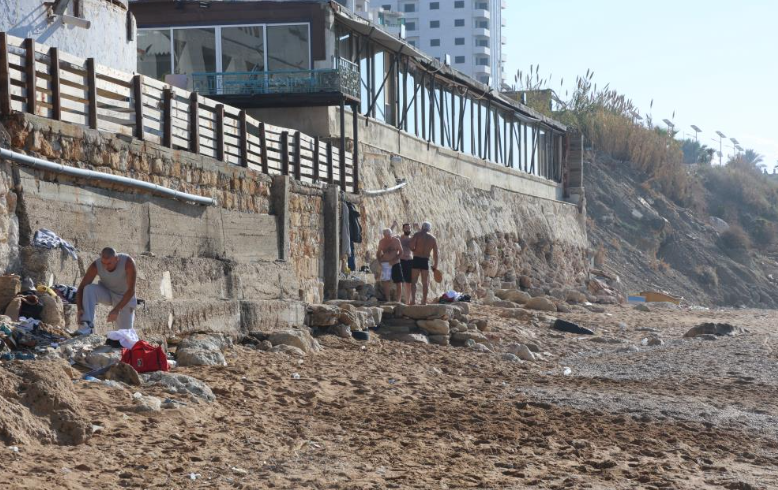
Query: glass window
460	41
387	7
459	4
412	43
459	60
434	24
154	53
243	49
482	61
484	43
482	6
482	24
409	7
195	51
288	48
435	42
410	26
434	5
459	23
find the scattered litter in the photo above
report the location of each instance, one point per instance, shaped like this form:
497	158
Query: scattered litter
566	371
295	376
239	471
97	428
14	448
194	476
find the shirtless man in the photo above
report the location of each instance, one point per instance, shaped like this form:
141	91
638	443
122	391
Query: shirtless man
406	263
423	243
389	252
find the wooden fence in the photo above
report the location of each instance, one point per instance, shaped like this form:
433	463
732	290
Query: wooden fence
40	80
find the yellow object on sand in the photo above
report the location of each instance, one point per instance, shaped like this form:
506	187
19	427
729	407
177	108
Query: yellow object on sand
654	297
45	289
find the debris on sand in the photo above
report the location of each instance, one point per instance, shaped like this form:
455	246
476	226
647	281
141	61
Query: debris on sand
570	327
718	329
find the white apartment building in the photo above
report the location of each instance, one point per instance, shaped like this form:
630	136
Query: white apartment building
469	33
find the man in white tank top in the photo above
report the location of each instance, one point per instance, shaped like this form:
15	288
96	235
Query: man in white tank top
117	275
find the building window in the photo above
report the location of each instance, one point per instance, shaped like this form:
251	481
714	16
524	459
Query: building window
194	51
459	23
482	6
243	48
434	42
459	4
154	55
386	7
434	24
459	60
434	5
288	47
484	43
459	41
482	61
412	42
409	7
482	24
410	26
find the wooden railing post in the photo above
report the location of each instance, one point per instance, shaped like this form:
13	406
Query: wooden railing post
5	76
56	100
330	176
220	132
137	89
30	74
194	123
297	156
285	153
316	159
91	84
263	144
167	117
243	138
355	140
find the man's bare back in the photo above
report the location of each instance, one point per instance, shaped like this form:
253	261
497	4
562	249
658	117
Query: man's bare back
422	244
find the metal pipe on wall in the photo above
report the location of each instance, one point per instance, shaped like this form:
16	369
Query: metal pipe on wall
100	176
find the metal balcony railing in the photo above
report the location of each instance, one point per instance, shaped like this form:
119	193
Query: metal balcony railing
343	78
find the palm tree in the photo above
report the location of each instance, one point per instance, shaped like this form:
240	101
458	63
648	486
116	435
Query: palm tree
753	158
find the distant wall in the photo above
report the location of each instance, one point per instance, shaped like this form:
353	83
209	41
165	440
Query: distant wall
106	39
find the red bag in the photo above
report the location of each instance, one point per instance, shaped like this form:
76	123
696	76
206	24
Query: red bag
144	357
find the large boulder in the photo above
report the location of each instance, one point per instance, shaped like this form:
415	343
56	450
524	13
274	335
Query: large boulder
206	341
513	295
124	373
443	340
434	327
521	351
575	297
398	325
541	303
376	312
323	315
297	338
426	312
718	329
200	357
179	383
103	356
460	338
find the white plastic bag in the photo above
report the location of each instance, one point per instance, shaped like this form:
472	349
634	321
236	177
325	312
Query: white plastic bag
126	337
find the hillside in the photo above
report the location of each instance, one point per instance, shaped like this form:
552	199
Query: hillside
651	243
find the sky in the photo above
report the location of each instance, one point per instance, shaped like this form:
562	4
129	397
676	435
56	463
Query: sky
715	63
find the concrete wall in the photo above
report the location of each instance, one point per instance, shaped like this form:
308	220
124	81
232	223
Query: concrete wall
325	123
105	40
486	237
199	267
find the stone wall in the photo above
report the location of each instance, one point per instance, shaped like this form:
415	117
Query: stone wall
306	240
233	187
486	236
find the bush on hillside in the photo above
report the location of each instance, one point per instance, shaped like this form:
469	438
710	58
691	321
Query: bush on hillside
735	239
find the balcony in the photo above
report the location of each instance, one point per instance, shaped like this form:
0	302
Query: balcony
288	88
483	69
484	50
482	14
480	31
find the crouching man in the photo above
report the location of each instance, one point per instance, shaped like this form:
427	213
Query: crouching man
116	287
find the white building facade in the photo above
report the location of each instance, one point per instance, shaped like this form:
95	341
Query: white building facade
469	33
